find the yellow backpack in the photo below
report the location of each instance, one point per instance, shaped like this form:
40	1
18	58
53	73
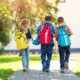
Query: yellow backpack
21	40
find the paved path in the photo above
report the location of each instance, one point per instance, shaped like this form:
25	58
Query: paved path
35	72
39	75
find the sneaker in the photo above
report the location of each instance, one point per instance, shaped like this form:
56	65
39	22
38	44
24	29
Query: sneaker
62	70
24	70
43	69
66	65
47	70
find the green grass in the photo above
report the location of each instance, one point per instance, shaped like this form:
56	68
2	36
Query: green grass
77	68
5	73
10	63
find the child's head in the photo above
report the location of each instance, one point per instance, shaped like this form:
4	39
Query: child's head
60	20
48	18
24	23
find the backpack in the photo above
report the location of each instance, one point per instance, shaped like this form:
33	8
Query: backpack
63	37
28	34
45	34
21	40
36	40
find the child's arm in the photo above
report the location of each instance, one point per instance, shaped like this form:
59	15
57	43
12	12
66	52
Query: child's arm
56	34
69	30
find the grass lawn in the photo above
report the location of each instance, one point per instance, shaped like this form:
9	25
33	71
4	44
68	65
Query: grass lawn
77	69
10	63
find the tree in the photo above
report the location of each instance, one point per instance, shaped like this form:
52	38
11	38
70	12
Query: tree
30	9
5	24
33	8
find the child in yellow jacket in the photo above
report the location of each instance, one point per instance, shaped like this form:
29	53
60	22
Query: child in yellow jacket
22	44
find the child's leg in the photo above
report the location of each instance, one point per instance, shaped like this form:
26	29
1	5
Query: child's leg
49	55
67	54
61	54
67	57
23	59
27	57
43	57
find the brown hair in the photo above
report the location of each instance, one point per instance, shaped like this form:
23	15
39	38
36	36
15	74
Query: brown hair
48	18
60	19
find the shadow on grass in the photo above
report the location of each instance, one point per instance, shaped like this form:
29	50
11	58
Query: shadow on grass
5	74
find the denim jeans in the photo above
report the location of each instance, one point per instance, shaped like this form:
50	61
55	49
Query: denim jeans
64	53
25	58
46	54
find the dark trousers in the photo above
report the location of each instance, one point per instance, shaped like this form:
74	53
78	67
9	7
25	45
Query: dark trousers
46	54
64	53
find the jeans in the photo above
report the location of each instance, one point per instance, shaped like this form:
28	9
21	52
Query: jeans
46	54
64	53
25	58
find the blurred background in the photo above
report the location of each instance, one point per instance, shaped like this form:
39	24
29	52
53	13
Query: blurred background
12	11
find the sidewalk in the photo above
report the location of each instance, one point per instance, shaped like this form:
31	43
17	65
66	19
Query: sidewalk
35	72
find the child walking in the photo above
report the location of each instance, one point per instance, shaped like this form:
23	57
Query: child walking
45	32
22	45
63	33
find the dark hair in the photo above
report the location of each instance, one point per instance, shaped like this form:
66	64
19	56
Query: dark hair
48	18
60	19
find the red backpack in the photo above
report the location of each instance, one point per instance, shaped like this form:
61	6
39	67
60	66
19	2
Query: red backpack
45	34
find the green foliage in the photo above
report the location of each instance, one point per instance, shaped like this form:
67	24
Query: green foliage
1	51
5	74
5	11
30	9
5	25
4	33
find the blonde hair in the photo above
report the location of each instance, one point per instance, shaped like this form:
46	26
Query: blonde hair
24	21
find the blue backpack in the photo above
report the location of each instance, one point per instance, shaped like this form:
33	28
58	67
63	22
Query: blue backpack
63	37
